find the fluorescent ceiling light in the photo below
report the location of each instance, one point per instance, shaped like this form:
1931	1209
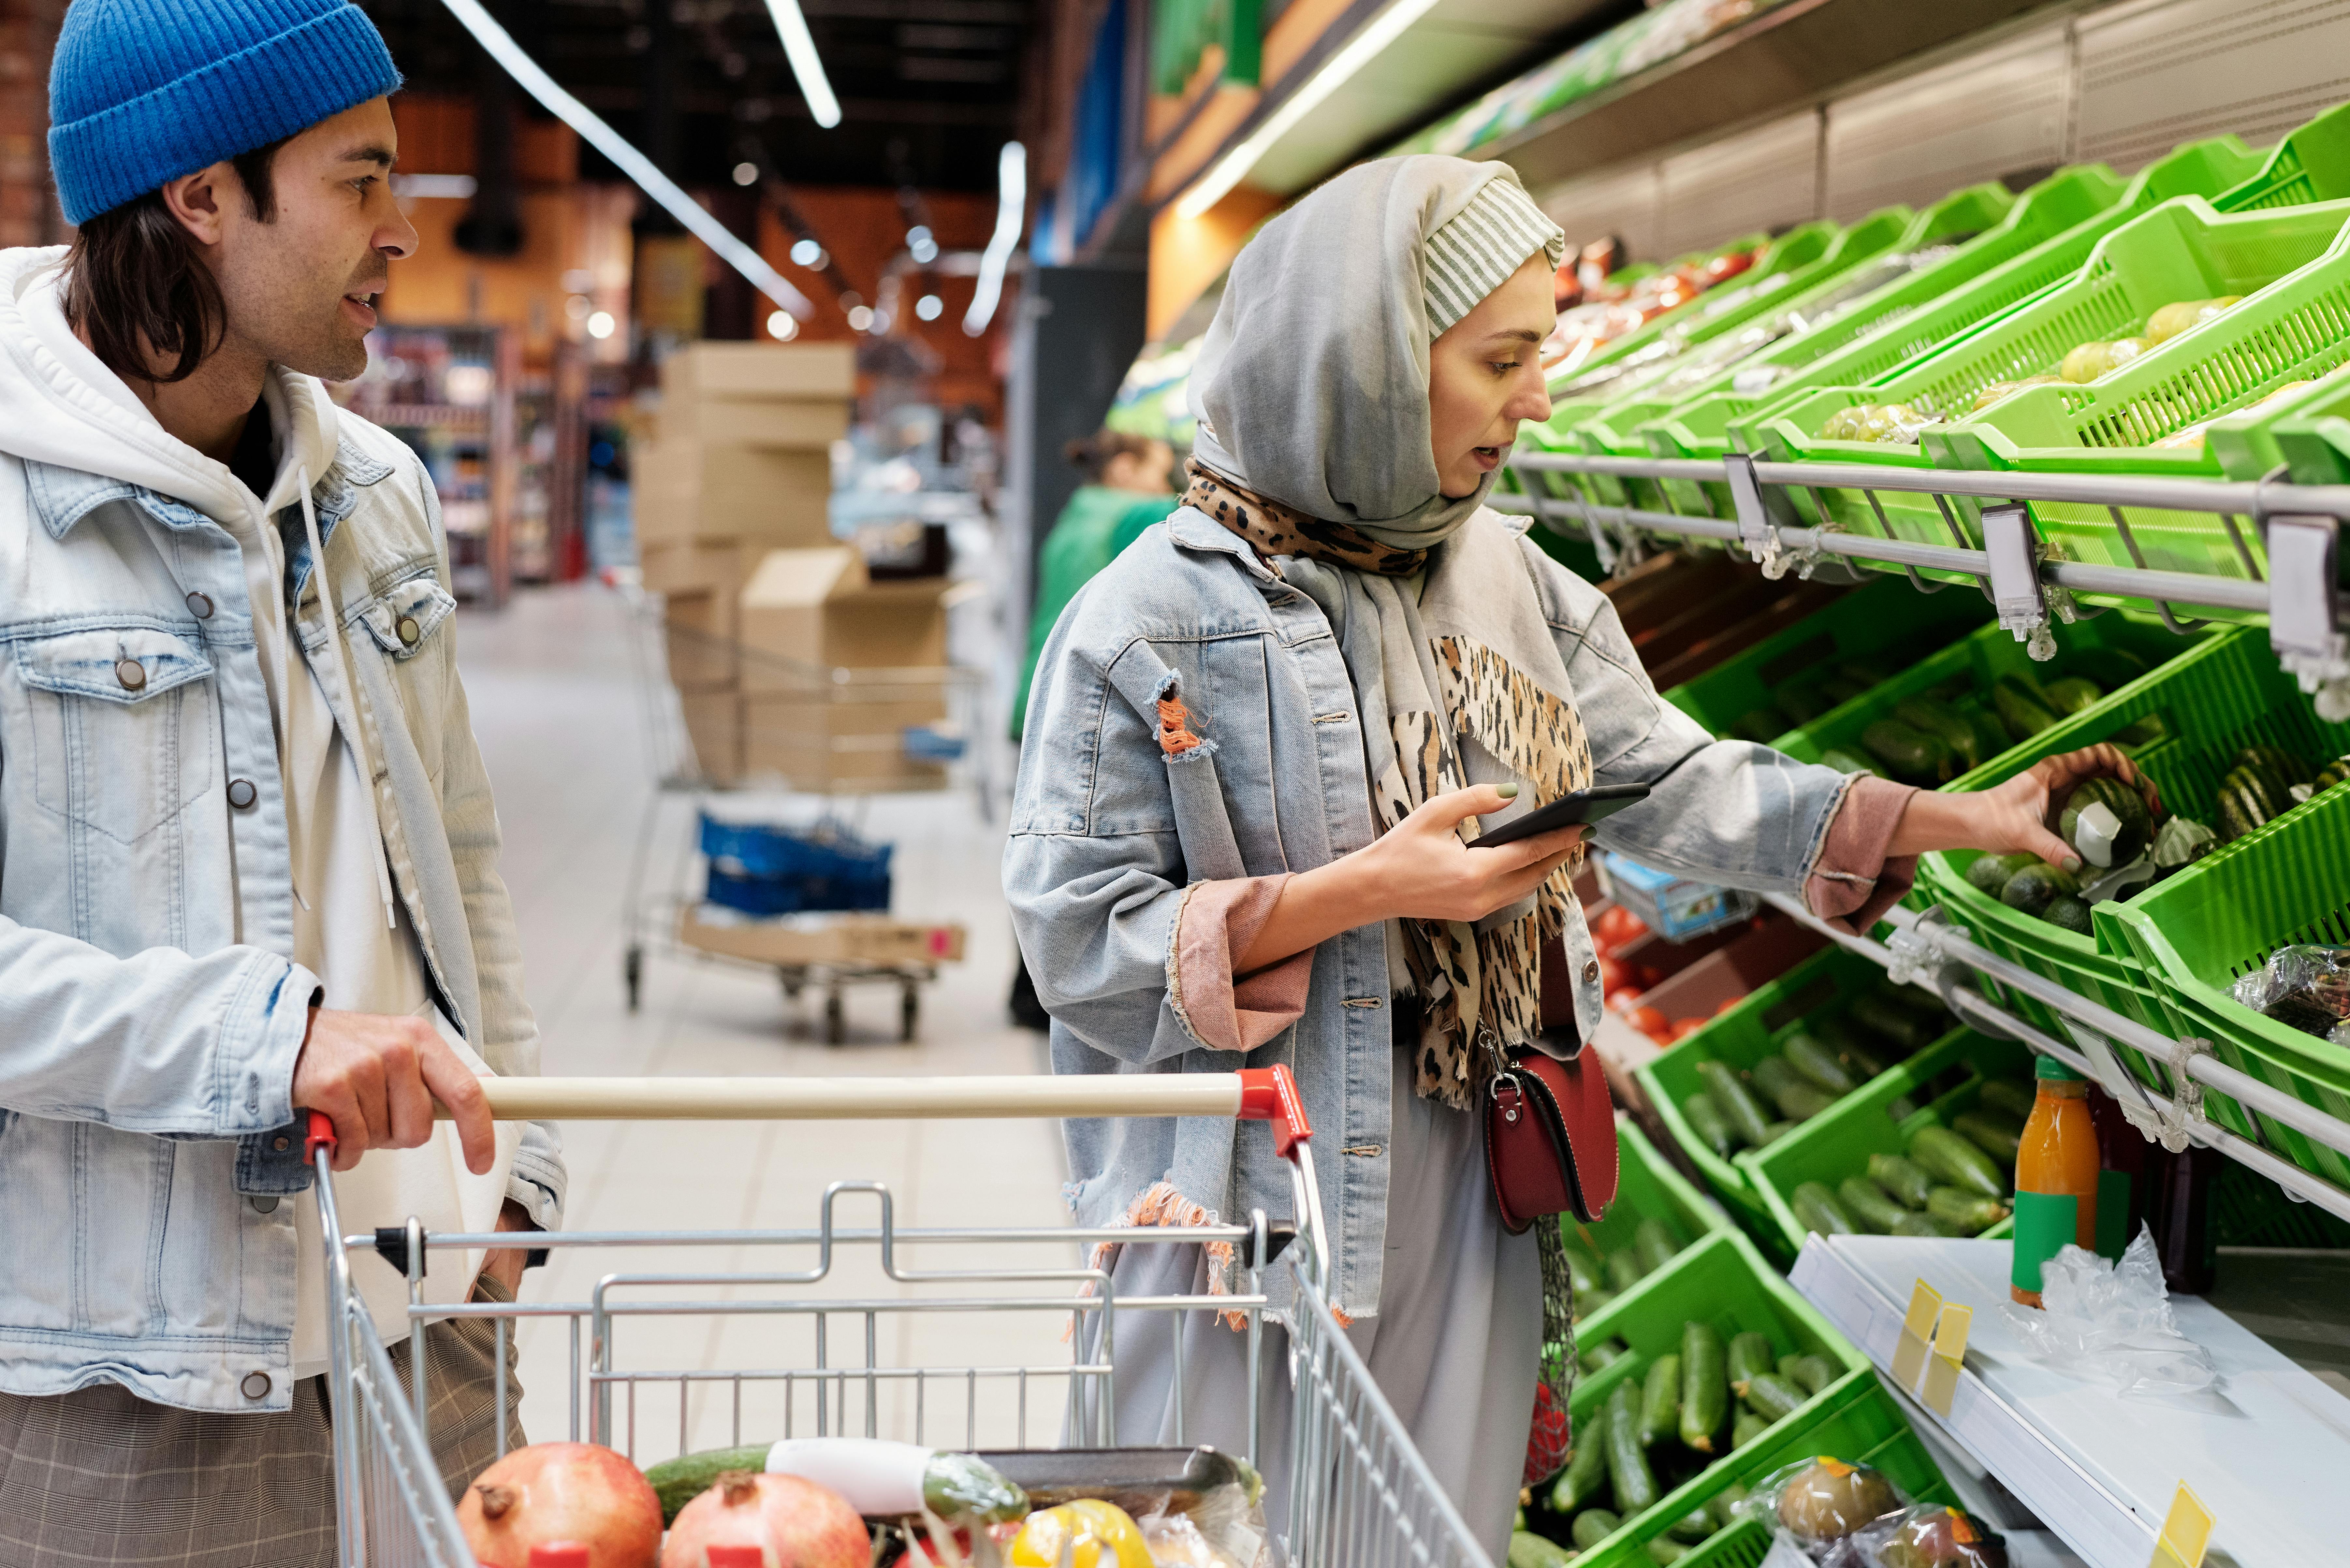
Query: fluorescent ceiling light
799	47
627	159
1357	52
1010	206
445	187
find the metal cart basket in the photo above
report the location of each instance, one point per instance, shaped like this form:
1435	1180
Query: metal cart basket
1361	1497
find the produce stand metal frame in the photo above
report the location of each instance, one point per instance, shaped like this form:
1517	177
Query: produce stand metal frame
1362	1497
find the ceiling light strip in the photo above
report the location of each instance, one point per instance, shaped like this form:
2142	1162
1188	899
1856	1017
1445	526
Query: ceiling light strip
1010	206
1357	52
627	159
799	47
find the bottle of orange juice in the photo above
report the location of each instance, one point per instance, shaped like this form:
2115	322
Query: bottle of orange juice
2056	1172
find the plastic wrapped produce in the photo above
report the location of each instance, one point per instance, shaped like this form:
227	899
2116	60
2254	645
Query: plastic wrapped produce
2091	361
1822	1500
2307	987
1932	1535
2180	316
1895	423
1999	389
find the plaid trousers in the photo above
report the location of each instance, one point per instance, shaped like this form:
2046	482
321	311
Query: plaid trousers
100	1477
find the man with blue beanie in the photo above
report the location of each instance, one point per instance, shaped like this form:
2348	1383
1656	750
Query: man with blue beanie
247	848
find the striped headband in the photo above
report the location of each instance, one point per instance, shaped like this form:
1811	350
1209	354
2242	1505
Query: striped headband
1475	253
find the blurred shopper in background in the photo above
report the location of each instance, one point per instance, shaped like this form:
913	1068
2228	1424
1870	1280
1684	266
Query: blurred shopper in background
248	856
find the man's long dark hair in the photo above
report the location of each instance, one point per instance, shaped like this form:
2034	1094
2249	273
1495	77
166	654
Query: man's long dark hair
137	288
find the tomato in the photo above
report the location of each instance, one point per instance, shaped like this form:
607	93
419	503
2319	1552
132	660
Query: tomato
1612	975
1648	1019
1685	1027
1627	1000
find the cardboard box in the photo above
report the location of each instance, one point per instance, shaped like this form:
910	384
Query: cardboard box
702	633
695	491
832	939
809	610
692	566
788	423
711	370
713	725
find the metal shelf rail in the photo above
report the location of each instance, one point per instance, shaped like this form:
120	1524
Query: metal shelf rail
2299	526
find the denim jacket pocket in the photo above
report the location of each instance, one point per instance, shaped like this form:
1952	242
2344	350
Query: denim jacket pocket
123	726
405	616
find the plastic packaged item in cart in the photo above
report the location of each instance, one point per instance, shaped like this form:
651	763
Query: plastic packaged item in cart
1930	1535
2306	987
2111	1323
1895	424
880	1479
1822	1500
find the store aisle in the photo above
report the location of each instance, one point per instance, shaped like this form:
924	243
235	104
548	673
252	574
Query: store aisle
559	719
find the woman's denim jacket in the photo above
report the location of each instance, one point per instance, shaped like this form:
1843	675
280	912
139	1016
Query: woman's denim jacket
1108	830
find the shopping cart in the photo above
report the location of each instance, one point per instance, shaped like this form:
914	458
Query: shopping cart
1361	1497
721	717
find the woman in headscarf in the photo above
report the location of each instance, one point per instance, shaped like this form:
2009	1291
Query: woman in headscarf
1259	744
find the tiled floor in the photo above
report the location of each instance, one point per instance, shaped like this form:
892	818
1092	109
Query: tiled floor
551	684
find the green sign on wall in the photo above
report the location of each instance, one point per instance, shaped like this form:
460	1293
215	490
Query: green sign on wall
1182	31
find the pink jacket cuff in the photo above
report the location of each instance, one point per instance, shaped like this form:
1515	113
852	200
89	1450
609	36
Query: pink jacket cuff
1220	920
1853	883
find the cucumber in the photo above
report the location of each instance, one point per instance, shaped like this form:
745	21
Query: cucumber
2031	889
1723	1505
2020	707
2068	914
1867	1203
1946	724
1817	1209
1903	1178
1591	1300
1772	1396
1660	1400
1911	753
1586	1476
1592	1526
2115	837
1778	1130
1705	1386
1664	1550
1655	1243
1844	762
2008	1095
1995	1133
1704	1119
1606	1351
2111	668
1953	1161
1990	736
1809	1372
1691	1527
1878	1013
1736	1102
1866	1057
679	1481
1748	1356
1528	1550
1800	1102
1962	1213
1773	1075
1625	1270
1915	1224
1990	873
1816	1063
1627	1462
2068	694
1745	1428
1583	1267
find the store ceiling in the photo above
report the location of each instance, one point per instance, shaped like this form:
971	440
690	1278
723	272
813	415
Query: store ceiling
927	88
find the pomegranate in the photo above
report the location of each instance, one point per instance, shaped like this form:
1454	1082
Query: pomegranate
558	1493
795	1523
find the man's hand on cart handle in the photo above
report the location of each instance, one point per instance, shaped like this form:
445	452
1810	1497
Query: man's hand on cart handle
378	1078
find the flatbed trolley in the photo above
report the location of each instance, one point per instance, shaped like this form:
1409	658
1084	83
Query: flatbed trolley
1361	1495
845	714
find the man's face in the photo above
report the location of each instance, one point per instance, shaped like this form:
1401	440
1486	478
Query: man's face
301	289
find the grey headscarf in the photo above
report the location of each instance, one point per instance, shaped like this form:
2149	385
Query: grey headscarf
1314	378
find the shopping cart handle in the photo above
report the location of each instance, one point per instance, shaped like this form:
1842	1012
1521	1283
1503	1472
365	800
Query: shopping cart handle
1270	1095
321	1136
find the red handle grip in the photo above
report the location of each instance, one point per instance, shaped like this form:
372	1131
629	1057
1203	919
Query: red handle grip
321	1136
1270	1095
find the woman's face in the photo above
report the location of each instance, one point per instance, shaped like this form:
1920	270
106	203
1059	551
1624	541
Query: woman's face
1483	379
1146	473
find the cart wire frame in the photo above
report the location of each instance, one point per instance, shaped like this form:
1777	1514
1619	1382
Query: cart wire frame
1361	1496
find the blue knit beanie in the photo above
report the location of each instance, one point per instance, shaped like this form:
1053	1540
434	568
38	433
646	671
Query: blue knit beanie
144	91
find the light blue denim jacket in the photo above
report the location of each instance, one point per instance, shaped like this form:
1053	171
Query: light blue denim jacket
1106	832
148	1154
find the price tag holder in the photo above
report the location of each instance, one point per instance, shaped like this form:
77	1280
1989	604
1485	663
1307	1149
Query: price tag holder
1948	1358
2186	1535
1917	1329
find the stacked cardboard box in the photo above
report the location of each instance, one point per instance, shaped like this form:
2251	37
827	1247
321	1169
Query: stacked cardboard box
788	712
741	464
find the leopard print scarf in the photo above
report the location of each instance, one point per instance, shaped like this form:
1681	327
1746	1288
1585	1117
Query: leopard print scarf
1480	990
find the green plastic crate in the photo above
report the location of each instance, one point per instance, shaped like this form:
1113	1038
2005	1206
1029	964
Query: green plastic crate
2312	164
2201	930
1838	1142
2310	434
2220	696
1726	1283
1741	1037
1647	1188
1979	659
1884	621
1714	423
1736	298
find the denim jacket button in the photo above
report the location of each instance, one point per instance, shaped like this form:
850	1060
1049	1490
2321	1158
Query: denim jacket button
132	673
281	1144
409	632
200	605
265	1203
1590	971
242	794
256	1385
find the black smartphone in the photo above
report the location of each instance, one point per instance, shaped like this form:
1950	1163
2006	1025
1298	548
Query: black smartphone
1567	811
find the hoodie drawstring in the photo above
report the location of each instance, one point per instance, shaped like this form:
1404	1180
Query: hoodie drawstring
363	766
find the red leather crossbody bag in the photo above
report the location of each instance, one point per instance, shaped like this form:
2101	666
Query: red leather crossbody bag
1550	1126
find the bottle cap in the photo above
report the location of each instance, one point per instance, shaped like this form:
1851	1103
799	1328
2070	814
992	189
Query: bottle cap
2049	1070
